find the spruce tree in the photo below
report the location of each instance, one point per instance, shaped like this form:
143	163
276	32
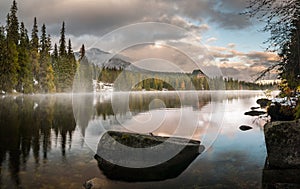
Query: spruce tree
62	41
2	57
34	53
82	52
25	81
46	71
13	25
11	67
55	64
66	64
72	61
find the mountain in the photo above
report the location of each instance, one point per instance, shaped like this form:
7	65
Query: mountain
105	59
108	60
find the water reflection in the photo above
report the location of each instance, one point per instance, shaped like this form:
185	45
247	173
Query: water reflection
37	135
28	124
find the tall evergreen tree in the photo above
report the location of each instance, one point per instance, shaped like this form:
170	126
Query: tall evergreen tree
10	64
46	71
13	24
66	64
62	41
34	52
25	81
2	57
72	61
82	52
55	64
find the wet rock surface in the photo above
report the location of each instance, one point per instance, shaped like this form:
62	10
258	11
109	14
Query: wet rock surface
283	144
263	102
111	163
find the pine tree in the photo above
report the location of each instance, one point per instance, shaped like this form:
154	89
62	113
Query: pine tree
62	41
2	57
10	63
82	52
62	59
72	61
55	64
25	82
13	25
46	71
34	52
66	64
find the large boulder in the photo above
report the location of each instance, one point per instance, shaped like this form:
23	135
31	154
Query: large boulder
115	164
283	144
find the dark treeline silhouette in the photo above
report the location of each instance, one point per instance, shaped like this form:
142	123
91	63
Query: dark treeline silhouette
29	125
132	80
27	64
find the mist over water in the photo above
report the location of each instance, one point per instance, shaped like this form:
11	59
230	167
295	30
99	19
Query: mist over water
50	140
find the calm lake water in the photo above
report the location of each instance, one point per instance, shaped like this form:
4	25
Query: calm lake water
49	141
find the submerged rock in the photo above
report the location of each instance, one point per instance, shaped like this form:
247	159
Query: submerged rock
255	113
254	108
283	144
111	158
280	178
245	128
263	102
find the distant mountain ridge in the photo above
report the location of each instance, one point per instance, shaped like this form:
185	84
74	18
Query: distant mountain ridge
105	59
117	61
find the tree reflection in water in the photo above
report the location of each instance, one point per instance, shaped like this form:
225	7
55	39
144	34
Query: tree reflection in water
28	123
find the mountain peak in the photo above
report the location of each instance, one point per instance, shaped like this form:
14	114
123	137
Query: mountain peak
96	51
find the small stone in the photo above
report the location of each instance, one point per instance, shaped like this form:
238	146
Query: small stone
245	128
94	183
254	108
255	113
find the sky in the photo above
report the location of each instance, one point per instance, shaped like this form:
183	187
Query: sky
210	35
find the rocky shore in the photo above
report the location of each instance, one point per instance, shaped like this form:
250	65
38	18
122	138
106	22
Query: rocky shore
283	155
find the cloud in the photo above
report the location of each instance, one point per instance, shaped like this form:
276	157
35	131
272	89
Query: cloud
245	66
211	40
88	21
231	45
96	17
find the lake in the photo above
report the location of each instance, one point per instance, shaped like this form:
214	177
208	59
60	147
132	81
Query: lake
50	141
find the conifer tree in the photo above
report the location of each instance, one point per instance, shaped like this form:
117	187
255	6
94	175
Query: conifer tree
62	41
55	64
11	67
82	52
13	25
2	57
25	81
34	52
72	61
46	71
66	64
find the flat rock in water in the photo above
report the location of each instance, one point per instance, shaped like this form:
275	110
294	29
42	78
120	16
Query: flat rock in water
115	166
245	128
255	113
254	108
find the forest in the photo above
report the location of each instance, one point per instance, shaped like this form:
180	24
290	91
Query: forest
31	64
125	80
